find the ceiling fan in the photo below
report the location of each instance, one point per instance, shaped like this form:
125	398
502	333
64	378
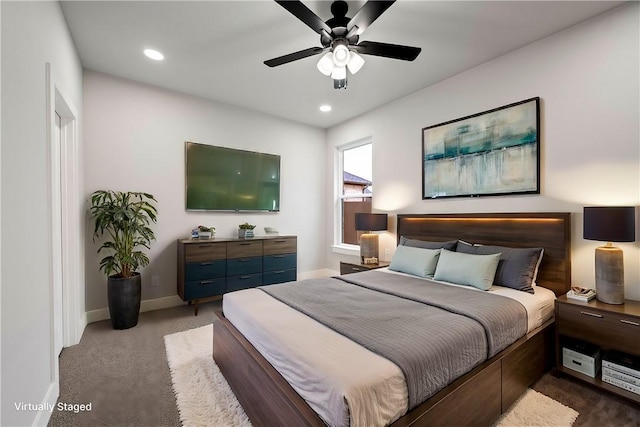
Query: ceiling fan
339	37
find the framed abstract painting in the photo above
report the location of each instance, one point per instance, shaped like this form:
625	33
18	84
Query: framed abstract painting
492	153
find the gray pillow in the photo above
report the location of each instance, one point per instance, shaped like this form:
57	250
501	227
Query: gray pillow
450	245
517	267
416	261
467	269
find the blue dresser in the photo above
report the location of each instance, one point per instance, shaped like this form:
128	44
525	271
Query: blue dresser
209	268
279	261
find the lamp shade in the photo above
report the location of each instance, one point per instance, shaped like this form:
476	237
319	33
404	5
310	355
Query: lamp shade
371	222
355	63
325	65
610	223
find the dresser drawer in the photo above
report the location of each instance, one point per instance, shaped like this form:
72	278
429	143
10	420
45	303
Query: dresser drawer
205	270
244	249
242	266
280	262
195	252
279	246
279	276
605	328
204	288
243	282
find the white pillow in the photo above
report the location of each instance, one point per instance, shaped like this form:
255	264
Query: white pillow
467	269
417	261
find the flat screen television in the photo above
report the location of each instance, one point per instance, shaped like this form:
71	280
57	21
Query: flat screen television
225	179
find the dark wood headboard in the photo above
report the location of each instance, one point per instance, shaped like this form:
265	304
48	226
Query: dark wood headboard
548	230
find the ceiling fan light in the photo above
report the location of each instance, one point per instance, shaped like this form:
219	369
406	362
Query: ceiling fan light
325	65
341	55
339	73
355	63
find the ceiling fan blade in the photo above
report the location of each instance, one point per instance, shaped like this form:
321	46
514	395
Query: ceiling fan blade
304	14
294	56
366	15
395	51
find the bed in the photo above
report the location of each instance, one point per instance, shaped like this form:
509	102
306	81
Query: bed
485	391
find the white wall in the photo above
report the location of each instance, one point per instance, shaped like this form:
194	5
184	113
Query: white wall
33	33
134	141
588	80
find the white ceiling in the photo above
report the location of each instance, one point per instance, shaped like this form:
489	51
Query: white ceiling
216	49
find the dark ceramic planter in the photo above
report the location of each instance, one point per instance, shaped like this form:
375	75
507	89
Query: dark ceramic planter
124	301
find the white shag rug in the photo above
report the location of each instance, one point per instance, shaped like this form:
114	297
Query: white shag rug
205	399
534	409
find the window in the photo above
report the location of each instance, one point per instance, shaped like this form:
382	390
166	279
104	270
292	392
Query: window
355	188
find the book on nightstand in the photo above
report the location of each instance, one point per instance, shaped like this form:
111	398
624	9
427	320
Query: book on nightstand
581	294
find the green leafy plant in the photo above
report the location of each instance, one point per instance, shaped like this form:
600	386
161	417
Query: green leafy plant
124	217
246	226
205	229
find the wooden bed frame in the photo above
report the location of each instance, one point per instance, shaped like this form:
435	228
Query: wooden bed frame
478	397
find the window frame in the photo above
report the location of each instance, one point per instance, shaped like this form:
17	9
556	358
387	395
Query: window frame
338	246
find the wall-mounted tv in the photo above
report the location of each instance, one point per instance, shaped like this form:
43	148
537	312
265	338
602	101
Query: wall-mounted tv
225	179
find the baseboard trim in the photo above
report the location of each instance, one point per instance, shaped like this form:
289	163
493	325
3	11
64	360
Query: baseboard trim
146	305
49	401
175	300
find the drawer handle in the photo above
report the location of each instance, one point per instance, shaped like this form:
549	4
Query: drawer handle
245	244
206	282
278	256
206	263
243	260
204	246
245	277
279	272
586	313
356	269
629	322
576	362
280	241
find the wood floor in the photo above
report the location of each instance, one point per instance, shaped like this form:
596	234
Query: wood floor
125	376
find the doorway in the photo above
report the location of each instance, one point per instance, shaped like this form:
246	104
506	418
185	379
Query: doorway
56	235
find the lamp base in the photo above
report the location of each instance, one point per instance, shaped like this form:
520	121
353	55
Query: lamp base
609	275
368	247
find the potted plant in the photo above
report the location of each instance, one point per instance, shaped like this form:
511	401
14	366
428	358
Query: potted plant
124	219
245	230
206	232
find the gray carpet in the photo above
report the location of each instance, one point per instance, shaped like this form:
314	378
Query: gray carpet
125	377
596	408
124	374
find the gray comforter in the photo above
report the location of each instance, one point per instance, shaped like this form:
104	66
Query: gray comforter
434	333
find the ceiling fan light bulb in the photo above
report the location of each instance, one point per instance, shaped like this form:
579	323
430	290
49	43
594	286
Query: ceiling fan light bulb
341	55
355	63
339	73
325	65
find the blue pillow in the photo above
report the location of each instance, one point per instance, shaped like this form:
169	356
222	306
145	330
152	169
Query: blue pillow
466	269
417	261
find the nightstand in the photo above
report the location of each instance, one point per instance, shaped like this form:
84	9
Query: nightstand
611	327
347	267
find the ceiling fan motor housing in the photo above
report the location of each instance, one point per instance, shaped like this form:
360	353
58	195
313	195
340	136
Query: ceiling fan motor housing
339	37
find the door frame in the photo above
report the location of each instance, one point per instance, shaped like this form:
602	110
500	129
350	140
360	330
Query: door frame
73	314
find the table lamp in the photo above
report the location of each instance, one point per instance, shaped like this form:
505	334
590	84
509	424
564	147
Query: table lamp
610	224
369	222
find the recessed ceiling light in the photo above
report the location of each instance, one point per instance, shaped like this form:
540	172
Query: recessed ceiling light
325	108
154	54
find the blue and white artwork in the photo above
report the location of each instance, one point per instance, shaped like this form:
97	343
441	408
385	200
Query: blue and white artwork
495	152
